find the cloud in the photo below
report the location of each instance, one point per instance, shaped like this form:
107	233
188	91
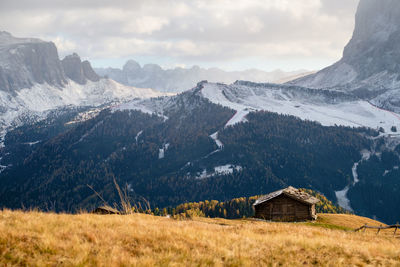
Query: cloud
206	32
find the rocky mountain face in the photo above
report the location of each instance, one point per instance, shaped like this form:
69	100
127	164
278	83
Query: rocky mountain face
77	70
182	79
25	62
34	81
370	64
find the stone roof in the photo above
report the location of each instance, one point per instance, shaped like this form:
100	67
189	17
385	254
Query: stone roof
290	192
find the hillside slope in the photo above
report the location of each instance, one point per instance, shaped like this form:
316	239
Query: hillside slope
34	238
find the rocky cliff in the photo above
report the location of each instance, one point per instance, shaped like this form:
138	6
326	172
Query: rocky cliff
25	62
371	60
77	70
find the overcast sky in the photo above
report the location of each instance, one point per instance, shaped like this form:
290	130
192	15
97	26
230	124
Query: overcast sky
233	35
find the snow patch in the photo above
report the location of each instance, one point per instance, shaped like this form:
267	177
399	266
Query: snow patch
138	135
214	137
389	171
240	116
148	107
219	170
161	151
85	116
129	187
31	143
202	175
341	195
342	199
227	169
2	137
2	167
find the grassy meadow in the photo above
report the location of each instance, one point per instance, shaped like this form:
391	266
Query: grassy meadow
48	239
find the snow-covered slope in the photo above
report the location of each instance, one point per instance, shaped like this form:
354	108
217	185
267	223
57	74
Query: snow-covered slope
34	81
32	104
327	107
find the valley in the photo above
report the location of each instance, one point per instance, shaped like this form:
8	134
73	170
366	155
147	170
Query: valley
150	133
65	128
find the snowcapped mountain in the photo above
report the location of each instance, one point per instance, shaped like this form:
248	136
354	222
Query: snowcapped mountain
212	142
33	81
181	79
327	107
370	66
362	89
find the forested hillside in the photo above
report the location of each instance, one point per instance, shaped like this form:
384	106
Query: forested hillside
171	159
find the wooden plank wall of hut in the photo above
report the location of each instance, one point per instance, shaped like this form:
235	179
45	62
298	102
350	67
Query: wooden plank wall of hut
283	208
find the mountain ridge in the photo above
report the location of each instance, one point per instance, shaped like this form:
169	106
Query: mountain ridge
180	79
33	81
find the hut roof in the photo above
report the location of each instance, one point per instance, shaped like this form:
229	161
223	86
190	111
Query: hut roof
290	192
106	209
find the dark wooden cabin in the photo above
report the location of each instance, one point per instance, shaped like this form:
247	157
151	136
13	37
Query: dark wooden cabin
286	205
105	210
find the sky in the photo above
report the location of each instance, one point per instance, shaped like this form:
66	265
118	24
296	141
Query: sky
232	35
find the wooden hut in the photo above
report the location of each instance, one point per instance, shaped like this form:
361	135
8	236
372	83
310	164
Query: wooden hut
286	205
105	210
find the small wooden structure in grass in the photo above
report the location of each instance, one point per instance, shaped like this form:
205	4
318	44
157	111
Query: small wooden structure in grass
286	205
379	228
105	210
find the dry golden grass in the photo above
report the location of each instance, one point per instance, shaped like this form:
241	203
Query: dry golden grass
346	220
45	239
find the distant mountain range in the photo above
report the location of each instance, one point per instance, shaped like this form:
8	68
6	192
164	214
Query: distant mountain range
33	81
182	79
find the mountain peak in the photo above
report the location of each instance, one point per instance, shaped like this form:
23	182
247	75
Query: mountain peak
376	17
376	22
152	67
77	70
25	62
371	60
131	66
7	39
73	55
